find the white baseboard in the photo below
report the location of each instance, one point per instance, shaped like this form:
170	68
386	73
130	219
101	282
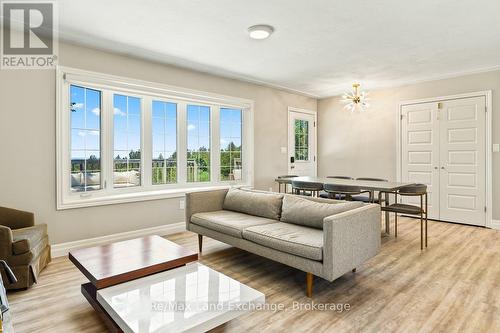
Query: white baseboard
62	249
495	224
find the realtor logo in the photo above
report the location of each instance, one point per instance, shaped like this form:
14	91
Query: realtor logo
29	38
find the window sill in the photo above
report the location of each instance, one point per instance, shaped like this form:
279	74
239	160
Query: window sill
120	198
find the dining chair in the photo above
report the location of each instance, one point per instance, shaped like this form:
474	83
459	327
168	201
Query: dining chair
414	190
285	180
365	198
306	188
339	196
345	192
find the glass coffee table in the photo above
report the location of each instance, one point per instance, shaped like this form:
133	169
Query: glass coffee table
193	298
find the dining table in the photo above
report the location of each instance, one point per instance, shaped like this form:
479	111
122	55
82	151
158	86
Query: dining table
366	185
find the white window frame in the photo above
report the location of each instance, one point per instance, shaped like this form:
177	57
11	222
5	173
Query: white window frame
147	91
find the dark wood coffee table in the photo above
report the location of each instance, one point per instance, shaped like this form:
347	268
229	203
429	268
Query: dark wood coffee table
115	263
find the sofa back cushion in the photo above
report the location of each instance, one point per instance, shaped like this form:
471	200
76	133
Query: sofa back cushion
308	213
257	203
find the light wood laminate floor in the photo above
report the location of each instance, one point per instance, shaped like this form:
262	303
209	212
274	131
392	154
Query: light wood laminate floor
453	286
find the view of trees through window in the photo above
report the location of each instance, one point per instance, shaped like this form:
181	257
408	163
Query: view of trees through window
230	144
198	143
301	140
164	128
85	108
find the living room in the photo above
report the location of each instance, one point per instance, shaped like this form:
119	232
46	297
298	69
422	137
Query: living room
264	166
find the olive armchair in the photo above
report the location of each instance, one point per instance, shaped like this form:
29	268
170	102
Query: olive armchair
24	246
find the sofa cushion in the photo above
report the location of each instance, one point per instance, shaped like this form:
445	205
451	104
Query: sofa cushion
258	203
26	239
294	239
305	212
228	222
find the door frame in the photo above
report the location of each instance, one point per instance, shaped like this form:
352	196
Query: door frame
487	94
315	136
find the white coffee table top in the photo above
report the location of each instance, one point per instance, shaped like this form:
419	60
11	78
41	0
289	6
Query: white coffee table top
191	298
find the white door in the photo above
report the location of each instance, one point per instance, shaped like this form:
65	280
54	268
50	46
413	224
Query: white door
443	145
301	143
420	151
463	160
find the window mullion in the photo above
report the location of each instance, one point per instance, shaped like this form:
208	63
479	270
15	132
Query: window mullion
215	145
182	143
247	148
65	136
107	141
146	155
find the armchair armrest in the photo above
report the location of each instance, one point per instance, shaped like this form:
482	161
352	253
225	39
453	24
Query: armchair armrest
349	239
204	201
21	246
16	219
5	242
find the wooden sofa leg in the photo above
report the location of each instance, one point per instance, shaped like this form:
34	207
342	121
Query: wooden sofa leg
309	282
200	242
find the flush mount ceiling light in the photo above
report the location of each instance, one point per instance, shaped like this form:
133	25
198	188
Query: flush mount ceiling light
355	99
260	31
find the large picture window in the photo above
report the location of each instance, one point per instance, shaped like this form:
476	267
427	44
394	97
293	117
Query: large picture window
122	140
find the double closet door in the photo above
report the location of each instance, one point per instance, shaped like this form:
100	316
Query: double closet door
443	145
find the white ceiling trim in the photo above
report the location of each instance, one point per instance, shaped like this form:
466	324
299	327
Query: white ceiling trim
242	78
125	50
403	83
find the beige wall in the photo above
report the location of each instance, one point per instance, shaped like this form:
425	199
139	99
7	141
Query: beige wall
27	141
364	144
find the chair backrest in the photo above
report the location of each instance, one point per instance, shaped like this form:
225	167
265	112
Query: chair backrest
287	176
16	219
343	189
414	189
372	179
306	186
340	177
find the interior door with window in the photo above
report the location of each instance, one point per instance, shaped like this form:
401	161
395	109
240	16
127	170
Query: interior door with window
301	143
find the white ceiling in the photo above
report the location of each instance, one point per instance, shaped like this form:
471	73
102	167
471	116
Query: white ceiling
318	48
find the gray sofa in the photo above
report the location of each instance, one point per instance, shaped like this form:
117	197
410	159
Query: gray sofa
321	237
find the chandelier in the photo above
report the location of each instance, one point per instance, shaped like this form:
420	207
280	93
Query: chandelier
355	99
